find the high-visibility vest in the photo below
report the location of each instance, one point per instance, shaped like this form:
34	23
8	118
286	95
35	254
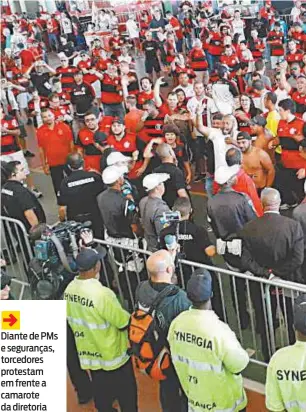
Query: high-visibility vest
95	317
286	379
208	358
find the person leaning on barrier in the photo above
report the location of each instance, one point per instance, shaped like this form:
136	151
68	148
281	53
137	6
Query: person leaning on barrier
17	201
160	267
286	373
206	354
272	245
152	208
99	325
78	193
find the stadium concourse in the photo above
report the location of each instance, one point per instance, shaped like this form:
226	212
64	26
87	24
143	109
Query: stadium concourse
175	128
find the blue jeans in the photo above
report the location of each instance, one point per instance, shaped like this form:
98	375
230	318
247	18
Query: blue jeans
114	110
212	60
179	46
53	40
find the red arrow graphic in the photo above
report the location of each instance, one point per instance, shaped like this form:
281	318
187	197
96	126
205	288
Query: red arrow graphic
11	320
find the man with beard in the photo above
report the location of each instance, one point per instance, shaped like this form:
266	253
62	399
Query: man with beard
91	142
41	78
262	136
256	162
146	91
222	139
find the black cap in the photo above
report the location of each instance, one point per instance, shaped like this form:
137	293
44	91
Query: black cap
243	136
88	258
259	121
299	315
199	286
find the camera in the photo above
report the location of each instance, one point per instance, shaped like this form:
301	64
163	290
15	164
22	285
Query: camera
169	217
53	266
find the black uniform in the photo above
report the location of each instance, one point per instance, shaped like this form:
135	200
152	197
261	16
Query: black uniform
172	185
78	192
17	199
272	242
114	208
229	212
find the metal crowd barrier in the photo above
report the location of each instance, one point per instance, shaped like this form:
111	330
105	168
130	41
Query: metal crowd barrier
258	310
269	303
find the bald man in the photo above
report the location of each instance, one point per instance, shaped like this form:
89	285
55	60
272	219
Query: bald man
160	267
272	244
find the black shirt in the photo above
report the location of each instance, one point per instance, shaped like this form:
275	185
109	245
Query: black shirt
82	95
78	192
172	185
193	240
42	83
17	199
68	49
262	26
115	213
150	49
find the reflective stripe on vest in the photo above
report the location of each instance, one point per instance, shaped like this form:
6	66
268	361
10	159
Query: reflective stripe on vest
201	366
82	322
296	404
232	409
90	362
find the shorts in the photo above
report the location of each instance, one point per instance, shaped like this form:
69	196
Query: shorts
152	64
17	156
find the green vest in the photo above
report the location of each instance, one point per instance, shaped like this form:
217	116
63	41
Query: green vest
207	355
286	379
95	317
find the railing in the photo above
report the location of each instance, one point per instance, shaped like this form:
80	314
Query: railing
260	311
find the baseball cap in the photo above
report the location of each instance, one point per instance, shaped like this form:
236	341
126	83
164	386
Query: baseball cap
117	120
116	157
112	173
243	136
259	121
154	179
88	258
299	313
199	286
224	173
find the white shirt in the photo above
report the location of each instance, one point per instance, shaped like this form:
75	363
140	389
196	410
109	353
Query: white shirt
211	108
189	92
238	27
281	95
220	147
132	29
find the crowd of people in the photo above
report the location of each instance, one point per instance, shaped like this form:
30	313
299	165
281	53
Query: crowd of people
127	128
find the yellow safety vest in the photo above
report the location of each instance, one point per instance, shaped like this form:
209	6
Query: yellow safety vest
207	355
95	317
286	379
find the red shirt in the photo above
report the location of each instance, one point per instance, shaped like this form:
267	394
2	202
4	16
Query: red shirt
88	78
198	60
276	42
245	184
53	26
111	90
67	77
9	143
291	158
61	111
27	58
295	57
143	96
300	102
215	46
55	142
175	23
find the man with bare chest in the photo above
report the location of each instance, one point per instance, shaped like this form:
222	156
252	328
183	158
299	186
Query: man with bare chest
263	136
256	162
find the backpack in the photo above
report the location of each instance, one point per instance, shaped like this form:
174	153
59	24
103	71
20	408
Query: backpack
147	338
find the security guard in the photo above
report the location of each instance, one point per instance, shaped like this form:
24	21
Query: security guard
99	324
206	354
286	373
78	195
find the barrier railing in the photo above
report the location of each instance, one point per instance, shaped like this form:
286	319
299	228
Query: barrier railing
260	311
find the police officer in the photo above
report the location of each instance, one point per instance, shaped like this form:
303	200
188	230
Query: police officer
99	325
78	195
18	202
286	373
206	354
152	208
